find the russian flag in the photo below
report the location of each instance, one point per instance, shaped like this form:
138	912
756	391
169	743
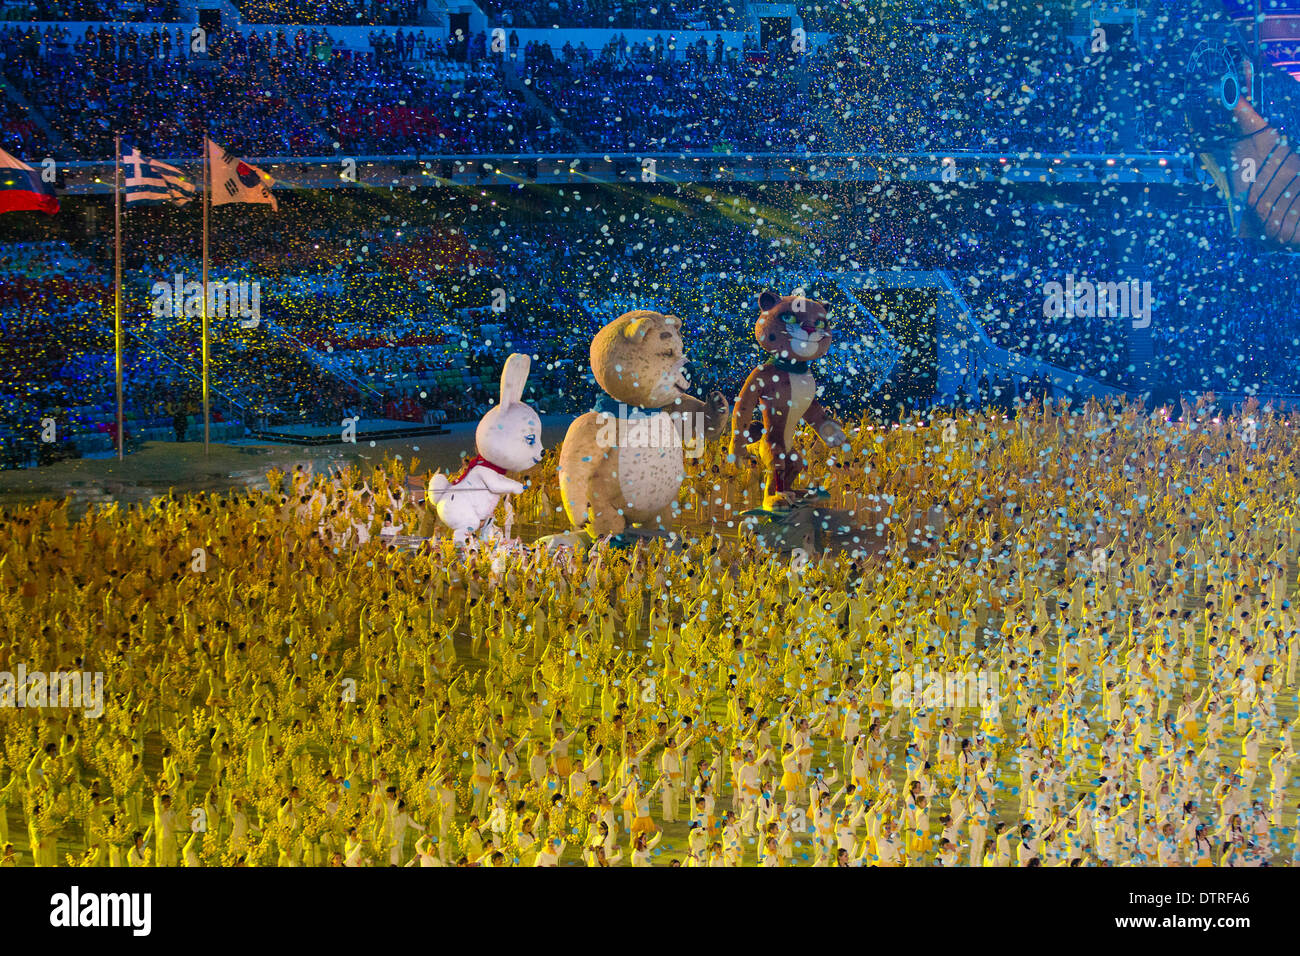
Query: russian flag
21	188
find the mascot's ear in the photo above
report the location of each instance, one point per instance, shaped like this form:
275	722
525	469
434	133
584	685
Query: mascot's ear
638	327
767	299
513	377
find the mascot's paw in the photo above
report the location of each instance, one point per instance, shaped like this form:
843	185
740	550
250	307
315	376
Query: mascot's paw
716	414
741	455
785	501
814	494
564	540
834	437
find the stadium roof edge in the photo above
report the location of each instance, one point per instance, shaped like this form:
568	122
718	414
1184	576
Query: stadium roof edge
90	177
712	157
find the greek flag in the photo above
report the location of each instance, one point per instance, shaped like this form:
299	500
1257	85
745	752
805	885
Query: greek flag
150	180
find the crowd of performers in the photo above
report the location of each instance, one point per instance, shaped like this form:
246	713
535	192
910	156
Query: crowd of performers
288	682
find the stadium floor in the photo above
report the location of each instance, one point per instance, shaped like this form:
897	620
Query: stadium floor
182	466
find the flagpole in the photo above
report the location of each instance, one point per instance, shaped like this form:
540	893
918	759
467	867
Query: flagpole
205	295
117	287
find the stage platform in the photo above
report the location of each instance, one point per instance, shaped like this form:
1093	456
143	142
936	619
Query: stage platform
367	430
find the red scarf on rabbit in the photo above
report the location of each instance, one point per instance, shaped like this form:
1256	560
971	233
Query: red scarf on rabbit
470	463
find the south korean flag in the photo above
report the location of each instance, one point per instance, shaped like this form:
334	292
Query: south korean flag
233	180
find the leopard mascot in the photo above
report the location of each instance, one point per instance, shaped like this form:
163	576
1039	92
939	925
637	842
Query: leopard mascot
795	332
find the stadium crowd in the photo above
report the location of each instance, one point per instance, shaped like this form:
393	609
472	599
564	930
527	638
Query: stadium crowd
896	85
340	12
297	95
695	15
93	11
367	307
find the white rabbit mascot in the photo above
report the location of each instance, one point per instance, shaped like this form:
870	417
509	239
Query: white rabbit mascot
509	438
